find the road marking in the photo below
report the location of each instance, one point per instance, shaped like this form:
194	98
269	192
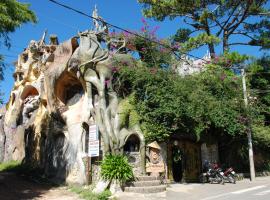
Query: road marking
248	189
239	192
263	193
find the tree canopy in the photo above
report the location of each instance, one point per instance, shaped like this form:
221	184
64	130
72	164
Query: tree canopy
248	19
168	103
12	15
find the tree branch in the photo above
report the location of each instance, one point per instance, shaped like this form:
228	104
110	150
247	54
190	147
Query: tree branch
244	34
226	22
194	25
242	43
244	16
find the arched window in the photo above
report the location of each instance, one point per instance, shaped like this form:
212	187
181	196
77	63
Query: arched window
68	89
29	90
132	144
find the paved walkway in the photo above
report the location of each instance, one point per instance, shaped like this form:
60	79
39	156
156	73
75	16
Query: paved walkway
137	196
14	187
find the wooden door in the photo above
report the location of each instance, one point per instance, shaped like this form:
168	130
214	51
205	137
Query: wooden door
192	166
191	160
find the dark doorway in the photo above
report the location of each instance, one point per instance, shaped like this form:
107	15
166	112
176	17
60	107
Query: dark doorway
132	144
177	163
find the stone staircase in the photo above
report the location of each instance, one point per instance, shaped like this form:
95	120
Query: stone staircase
145	184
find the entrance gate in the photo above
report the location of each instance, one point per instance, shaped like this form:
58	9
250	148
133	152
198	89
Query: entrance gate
184	161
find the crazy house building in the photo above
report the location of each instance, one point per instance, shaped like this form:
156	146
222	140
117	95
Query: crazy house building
63	109
61	100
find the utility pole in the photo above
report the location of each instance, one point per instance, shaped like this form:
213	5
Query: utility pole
250	149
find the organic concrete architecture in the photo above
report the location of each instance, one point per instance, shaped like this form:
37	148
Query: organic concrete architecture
60	90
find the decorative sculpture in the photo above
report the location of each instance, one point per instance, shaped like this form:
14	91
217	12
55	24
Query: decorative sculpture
155	166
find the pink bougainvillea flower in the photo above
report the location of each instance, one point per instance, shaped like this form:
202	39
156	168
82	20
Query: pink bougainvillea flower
107	82
153	32
143	49
176	46
112	34
143	20
115	69
143	29
126	34
163	50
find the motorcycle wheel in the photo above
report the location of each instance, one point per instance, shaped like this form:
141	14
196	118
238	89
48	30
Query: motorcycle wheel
202	179
231	179
221	179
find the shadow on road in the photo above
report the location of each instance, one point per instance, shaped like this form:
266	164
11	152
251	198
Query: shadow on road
19	187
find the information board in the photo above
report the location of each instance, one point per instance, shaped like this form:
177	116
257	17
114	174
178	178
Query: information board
93	144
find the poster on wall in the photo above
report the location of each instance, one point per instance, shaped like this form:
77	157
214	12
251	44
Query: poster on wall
93	142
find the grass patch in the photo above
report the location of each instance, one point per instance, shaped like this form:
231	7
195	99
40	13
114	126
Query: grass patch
86	193
9	166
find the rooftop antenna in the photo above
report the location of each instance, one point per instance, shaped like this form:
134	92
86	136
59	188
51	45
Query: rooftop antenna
95	17
42	40
100	26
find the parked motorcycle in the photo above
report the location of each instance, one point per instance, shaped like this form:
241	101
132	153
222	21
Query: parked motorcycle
212	174
230	175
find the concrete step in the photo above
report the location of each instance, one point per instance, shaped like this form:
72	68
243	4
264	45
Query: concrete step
144	183
149	189
146	178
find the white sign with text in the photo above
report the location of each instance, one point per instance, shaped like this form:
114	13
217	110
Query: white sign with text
93	143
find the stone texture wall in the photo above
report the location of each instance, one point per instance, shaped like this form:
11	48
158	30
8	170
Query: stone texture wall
134	160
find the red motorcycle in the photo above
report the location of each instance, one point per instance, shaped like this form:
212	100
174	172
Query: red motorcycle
211	173
230	175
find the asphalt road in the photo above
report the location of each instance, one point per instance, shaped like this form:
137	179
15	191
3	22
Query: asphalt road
242	190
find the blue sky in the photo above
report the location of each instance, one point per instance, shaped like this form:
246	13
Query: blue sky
65	24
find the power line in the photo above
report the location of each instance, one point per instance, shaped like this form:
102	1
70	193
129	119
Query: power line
125	30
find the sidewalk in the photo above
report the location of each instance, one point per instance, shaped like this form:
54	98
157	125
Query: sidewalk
138	196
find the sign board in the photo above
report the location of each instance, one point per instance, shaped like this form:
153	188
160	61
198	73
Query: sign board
155	168
93	142
93	148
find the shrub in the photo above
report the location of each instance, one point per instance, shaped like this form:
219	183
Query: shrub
87	194
116	167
